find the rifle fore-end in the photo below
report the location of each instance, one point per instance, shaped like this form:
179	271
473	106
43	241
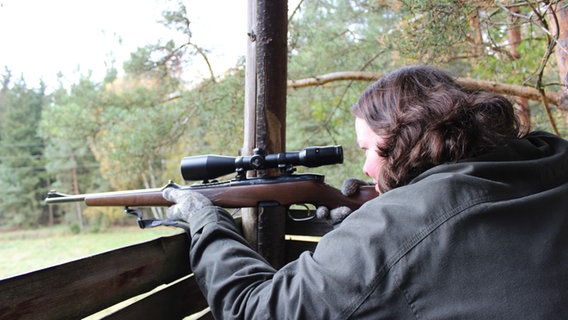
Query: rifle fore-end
286	193
234	195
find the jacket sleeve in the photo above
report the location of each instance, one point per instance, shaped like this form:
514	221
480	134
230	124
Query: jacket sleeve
239	284
229	272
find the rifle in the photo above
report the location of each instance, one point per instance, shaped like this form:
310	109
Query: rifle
285	190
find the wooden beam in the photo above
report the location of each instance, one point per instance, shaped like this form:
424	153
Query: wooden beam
265	114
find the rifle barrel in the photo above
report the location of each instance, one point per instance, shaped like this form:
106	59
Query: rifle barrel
58	197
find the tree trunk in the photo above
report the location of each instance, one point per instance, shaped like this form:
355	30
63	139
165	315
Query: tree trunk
559	27
514	34
476	37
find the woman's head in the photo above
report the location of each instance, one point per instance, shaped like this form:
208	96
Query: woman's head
423	118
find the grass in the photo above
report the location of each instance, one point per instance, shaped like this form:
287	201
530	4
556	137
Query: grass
27	250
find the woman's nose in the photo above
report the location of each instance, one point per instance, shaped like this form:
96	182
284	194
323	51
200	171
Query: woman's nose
365	168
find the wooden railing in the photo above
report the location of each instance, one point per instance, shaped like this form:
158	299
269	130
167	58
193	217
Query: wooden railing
148	280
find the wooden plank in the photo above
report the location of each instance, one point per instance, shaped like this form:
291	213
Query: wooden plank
79	288
176	301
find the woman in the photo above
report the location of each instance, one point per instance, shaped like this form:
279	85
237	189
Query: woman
418	117
472	222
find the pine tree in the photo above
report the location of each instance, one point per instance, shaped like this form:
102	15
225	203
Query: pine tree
23	180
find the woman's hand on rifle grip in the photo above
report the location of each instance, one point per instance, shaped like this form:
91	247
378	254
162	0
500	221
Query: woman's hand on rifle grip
334	216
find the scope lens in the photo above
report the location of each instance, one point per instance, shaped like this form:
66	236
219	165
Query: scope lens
319	156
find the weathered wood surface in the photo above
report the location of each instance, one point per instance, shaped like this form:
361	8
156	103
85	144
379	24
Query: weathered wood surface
83	287
265	113
80	288
173	302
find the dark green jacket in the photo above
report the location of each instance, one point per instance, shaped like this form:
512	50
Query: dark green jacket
480	239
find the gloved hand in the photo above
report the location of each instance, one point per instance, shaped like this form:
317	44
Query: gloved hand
187	202
350	187
333	216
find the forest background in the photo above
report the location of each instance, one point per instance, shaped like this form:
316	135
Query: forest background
131	130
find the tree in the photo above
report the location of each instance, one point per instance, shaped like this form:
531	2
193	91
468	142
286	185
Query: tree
109	136
509	43
131	125
326	37
22	177
67	127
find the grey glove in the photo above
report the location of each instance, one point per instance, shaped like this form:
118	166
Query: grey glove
351	186
187	202
334	216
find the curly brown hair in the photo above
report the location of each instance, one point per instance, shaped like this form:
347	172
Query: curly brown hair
427	119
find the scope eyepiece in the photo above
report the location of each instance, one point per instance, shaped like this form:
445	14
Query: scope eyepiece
212	166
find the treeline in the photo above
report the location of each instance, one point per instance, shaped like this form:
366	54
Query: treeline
22	164
123	133
131	129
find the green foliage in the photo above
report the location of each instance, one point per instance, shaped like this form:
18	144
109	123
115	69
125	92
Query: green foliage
470	36
433	31
332	36
541	122
68	127
214	113
131	130
338	35
140	62
131	126
22	177
473	38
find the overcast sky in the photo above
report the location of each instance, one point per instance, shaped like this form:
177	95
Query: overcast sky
39	38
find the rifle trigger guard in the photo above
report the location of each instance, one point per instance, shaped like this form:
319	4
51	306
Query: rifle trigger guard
310	215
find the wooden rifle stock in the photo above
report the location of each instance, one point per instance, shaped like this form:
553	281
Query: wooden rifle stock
282	190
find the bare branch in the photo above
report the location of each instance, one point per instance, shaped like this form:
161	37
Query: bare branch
526	92
332	77
204	56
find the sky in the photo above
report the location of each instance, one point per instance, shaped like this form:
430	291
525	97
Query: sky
40	38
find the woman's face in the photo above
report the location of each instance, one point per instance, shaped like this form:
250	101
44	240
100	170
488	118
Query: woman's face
368	141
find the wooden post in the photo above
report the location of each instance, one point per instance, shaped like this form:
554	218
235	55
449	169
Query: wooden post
249	216
265	114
